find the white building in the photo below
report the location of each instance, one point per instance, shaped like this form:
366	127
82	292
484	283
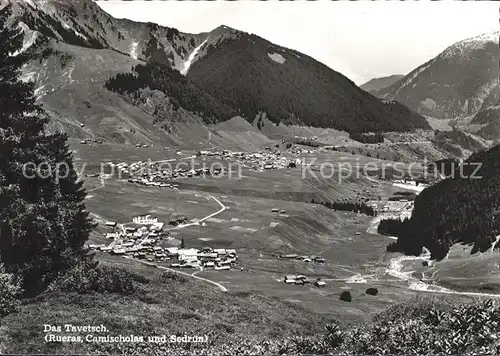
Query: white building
145	219
189	255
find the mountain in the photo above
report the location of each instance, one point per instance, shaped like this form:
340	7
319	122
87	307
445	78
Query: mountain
459	82
76	49
488	120
376	84
253	76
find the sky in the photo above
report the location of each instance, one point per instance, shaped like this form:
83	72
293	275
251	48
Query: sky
360	39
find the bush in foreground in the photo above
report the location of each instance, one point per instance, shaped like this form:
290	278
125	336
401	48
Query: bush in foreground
91	276
438	328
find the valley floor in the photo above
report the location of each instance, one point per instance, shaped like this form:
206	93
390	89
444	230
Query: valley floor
355	255
251	299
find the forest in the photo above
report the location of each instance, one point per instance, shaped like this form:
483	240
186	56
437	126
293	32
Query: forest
366	138
348	206
182	92
464	208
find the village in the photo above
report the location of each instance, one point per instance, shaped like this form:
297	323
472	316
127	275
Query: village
258	161
153	174
146	239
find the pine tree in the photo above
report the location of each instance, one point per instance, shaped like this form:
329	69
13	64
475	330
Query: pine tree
183	245
43	222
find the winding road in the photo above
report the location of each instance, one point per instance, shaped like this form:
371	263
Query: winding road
223	207
193	275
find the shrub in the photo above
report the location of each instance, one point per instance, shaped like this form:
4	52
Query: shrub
166	277
90	276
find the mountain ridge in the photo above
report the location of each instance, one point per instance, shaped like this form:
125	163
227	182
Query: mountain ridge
376	84
458	82
62	31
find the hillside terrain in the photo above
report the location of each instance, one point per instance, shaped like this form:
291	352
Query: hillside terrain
376	84
75	48
459	82
226	188
292	88
459	86
239	323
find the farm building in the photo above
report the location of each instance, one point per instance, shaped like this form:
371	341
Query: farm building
111	223
188	255
156	226
145	219
172	251
221	268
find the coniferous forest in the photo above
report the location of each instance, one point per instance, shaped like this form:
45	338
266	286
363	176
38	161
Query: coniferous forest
43	221
366	138
299	90
349	206
463	208
172	83
247	86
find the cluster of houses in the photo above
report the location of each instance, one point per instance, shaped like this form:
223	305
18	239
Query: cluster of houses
306	259
154	176
151	183
258	161
90	140
141	241
218	259
301	280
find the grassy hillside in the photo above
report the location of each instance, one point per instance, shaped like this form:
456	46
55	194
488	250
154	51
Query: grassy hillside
238	323
159	303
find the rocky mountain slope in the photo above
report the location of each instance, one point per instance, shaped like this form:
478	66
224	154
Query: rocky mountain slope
376	84
75	48
459	82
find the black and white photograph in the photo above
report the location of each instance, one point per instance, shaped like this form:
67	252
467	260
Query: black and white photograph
249	177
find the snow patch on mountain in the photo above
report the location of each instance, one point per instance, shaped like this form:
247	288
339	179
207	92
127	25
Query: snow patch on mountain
133	50
278	58
28	76
481	95
29	38
191	58
460	50
412	76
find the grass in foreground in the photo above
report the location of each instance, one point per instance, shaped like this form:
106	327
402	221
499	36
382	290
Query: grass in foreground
149	302
158	303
